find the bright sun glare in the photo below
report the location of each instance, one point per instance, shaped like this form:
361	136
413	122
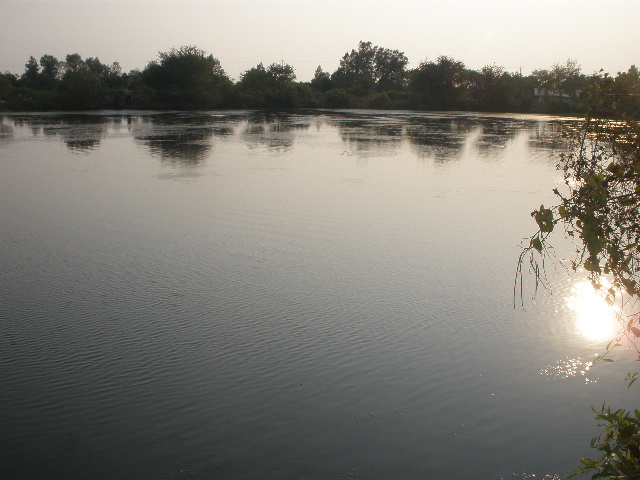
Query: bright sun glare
596	319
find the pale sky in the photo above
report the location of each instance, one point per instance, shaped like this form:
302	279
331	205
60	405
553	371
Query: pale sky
515	34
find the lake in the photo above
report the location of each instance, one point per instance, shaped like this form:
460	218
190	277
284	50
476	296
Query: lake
302	295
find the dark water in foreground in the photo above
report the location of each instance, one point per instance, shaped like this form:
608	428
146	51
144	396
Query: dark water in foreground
292	296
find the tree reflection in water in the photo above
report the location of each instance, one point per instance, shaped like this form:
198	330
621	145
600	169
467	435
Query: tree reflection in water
184	139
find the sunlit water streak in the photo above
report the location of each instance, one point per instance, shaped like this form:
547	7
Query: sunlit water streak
595	318
568	368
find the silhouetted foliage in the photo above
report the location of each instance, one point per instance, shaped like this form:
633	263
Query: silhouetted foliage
81	89
272	87
390	69
31	71
619	445
73	62
321	80
6	86
371	66
367	77
51	72
186	78
356	67
495	90
440	85
562	79
254	84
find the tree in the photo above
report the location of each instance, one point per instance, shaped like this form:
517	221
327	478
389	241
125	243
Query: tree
97	67
110	75
254	83
51	70
619	87
187	77
359	63
369	66
30	76
321	80
5	86
390	69
272	87
494	87
73	62
81	90
356	68
280	75
440	84
562	79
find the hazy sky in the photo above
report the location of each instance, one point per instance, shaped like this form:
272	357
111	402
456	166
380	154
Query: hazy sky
306	33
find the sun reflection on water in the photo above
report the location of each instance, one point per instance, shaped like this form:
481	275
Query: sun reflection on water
568	368
595	318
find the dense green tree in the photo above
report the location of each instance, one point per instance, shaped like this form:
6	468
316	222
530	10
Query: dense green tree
494	88
628	81
338	98
254	84
281	92
271	87
110	75
281	75
321	80
360	61
73	62
390	69
51	71
440	85
358	64
6	86
81	89
31	71
96	66
187	77
624	93
371	66
562	82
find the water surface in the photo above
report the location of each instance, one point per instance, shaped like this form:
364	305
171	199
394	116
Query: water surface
244	295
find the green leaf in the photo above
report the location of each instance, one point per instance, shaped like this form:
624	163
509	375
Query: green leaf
537	244
629	285
544	219
562	211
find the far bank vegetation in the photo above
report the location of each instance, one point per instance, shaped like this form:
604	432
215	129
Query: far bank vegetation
368	76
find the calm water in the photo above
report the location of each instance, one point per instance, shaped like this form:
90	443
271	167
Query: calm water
317	295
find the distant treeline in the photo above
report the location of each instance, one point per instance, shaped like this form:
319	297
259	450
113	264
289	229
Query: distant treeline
368	77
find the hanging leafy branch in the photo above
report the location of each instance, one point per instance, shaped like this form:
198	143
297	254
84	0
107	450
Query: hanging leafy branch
600	205
599	209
